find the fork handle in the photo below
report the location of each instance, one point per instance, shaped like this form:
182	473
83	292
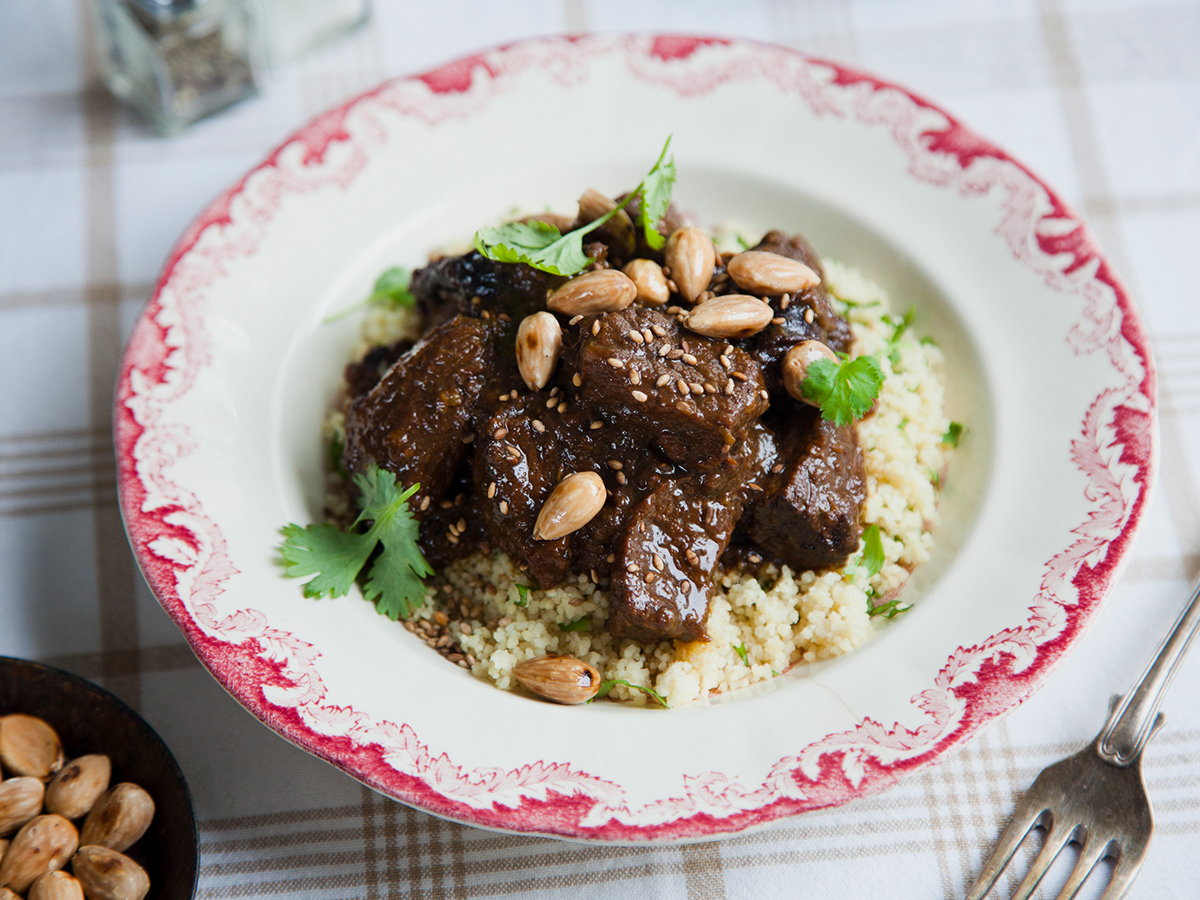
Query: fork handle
1131	724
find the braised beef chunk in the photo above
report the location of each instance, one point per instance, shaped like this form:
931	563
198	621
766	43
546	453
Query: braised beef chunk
772	343
807	514
453	527
701	407
516	468
414	421
449	286
363	375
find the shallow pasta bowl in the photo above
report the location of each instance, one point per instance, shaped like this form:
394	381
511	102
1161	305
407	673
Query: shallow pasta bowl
231	368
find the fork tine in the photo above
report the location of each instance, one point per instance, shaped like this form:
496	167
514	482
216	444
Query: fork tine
1058	838
1092	852
1123	874
1024	817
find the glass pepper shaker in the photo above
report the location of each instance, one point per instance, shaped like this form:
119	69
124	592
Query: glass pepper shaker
176	61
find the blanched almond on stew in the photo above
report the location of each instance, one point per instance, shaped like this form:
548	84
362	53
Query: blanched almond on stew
690	257
760	272
539	344
647	275
563	679
731	316
593	205
796	364
572	504
593	292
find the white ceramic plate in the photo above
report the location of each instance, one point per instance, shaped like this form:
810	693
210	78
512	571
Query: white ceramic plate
230	369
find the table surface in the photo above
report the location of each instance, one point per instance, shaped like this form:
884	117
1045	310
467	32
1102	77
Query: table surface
1100	97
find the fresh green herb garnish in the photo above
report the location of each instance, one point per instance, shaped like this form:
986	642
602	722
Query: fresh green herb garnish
391	289
888	610
774	674
334	459
844	390
541	245
953	433
578	625
741	651
607	686
872	556
337	557
523	590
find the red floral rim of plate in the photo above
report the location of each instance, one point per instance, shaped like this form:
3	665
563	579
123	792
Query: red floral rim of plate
273	673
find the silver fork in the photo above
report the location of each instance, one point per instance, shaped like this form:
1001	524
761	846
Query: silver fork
1098	796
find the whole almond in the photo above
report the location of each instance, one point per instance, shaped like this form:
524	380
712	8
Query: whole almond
690	257
796	363
78	785
559	221
601	291
572	504
28	746
593	205
56	886
4	842
539	344
42	845
6	894
760	272
119	818
108	875
651	283
20	801
563	679
731	316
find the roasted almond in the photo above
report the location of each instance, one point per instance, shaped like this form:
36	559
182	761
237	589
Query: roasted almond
563	679
690	257
559	221
4	842
572	504
651	283
108	875
795	366
20	801
5	893
56	886
601	291
42	845
78	785
28	746
731	316
593	205
539	343
119	818
760	272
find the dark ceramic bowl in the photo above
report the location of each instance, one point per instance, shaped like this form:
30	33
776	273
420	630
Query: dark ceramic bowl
91	720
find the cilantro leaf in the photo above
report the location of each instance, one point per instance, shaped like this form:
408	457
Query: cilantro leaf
873	557
952	435
888	610
523	591
844	390
656	197
578	625
391	289
607	686
741	651
337	557
536	243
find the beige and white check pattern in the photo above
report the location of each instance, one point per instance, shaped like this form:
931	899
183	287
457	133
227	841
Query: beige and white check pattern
1100	97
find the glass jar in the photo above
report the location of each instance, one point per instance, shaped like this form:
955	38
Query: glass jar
176	61
293	27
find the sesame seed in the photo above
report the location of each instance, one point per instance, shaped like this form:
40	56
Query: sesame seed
503	398
595	577
647	336
538	426
740	376
462	525
658	562
451	538
666	270
635	377
553	391
504	507
809	316
640	396
689	359
505	317
611	558
777	468
785	301
632	567
621	478
697	387
491	490
755	558
662	379
551	403
651	578
562	407
425	501
485	315
764	394
685	346
500	433
673	311
710	388
664	350
616	363
659	330
754	486
726	362
596	326
445	504
476	300
616	465
468	438
682	386
692	557
636	337
576	380
778	320
672	286
729	387
684	407
595	425
575	320
675	354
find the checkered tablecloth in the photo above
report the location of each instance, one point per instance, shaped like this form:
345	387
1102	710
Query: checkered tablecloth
1100	97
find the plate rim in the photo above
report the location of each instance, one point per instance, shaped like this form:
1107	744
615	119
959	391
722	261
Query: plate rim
552	799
